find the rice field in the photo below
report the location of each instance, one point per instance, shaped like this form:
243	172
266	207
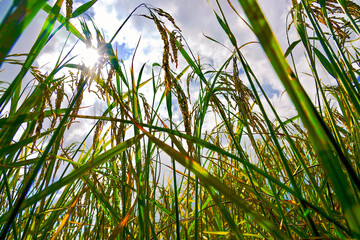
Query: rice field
140	173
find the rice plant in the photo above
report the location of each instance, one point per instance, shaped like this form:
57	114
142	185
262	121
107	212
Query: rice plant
252	175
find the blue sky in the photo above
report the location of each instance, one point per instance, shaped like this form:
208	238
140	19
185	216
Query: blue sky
195	18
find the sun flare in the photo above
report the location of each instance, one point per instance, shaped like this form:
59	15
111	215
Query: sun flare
89	57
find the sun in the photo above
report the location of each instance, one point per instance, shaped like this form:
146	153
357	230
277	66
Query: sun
89	57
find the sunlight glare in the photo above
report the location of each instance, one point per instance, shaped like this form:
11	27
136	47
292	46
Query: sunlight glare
89	57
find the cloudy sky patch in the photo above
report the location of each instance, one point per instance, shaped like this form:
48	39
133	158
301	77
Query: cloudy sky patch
195	20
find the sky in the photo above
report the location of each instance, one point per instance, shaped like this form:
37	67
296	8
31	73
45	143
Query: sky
195	18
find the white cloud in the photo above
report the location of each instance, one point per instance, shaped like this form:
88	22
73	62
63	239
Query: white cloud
194	19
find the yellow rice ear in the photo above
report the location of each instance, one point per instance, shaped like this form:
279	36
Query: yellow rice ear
69	9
